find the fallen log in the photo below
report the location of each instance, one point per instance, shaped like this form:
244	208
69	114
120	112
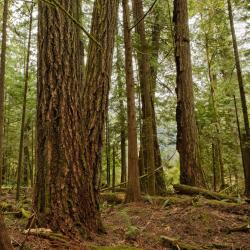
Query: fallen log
185	189
244	229
47	234
175	244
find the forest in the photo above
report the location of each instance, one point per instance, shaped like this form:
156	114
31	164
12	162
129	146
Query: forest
124	124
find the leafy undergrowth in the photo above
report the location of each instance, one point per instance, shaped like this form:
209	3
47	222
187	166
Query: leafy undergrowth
192	221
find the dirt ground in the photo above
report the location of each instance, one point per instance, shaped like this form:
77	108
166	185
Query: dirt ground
193	223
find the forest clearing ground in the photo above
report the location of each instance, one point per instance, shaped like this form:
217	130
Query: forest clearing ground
191	220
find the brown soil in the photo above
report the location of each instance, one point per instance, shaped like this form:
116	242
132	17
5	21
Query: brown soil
190	220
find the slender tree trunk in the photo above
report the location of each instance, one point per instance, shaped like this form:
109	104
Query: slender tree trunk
5	243
97	82
214	169
32	157
246	138
146	88
160	185
240	137
2	82
113	170
122	117
107	147
238	68
26	80
215	118
133	188
187	132
26	160
142	167
65	184
123	155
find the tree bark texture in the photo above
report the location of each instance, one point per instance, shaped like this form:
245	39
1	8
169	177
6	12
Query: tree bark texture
160	185
64	186
5	243
146	90
2	82
122	116
133	188
187	132
97	83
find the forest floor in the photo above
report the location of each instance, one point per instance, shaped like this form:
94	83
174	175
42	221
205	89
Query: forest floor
186	223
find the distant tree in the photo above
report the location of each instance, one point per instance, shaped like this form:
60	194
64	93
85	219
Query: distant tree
25	91
187	132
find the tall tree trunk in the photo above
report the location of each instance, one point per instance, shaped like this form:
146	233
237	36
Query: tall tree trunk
160	185
5	243
246	144
64	186
146	89
26	80
96	88
122	116
187	132
2	82
133	188
238	68
215	118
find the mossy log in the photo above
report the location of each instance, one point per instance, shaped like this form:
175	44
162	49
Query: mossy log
185	189
175	244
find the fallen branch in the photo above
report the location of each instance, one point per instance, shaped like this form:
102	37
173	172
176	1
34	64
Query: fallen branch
185	189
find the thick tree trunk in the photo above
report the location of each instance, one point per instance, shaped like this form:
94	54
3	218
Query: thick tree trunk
2	81
26	80
187	132
133	188
97	82
146	90
64	186
5	243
